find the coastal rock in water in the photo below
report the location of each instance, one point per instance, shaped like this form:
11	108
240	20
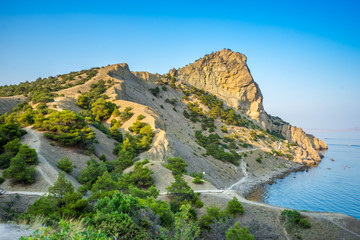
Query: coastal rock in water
226	75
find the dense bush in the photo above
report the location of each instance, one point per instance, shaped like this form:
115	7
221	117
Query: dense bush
293	218
62	201
18	172
28	154
234	207
67	128
198	180
141	176
177	165
155	91
133	145
5	160
181	192
66	230
65	165
237	233
91	173
102	109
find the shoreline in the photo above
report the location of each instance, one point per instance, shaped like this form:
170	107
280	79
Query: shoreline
254	183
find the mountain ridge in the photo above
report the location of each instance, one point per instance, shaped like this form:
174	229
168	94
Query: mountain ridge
225	74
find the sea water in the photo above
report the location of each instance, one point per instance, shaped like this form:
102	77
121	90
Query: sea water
333	186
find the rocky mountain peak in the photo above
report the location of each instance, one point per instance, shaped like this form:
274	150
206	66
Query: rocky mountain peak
225	74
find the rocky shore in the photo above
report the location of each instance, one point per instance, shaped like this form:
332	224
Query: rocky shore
253	182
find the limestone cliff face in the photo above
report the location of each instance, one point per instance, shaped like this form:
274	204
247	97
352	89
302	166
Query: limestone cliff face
225	74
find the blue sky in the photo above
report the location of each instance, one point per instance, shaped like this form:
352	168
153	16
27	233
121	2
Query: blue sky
305	55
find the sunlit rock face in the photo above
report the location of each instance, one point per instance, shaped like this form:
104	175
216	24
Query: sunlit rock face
226	75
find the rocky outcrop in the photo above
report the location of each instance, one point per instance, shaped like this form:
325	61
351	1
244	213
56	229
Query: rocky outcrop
226	75
147	77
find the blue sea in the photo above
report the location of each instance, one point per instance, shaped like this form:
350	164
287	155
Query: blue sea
333	186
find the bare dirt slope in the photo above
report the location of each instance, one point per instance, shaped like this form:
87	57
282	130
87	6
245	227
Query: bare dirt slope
8	103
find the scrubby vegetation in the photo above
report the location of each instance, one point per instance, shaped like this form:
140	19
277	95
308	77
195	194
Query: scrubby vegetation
216	224
293	218
177	165
67	128
133	144
216	109
215	148
40	90
199	177
65	165
16	158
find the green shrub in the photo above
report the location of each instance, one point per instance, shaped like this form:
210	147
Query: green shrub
141	176
13	146
67	128
224	129
259	160
140	117
102	109
186	114
155	91
66	230
180	190
213	214
198	203
126	114
28	154
177	165
103	158
91	173
65	165
18	172
304	223
198	180
237	233
172	101
234	207
5	160
293	218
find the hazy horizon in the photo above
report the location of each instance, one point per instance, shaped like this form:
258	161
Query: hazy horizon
304	56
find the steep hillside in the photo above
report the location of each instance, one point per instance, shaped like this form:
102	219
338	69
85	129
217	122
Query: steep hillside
226	75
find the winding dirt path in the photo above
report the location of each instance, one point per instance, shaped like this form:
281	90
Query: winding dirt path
243	179
25	193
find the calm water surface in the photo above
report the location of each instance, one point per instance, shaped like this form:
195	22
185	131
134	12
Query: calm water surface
333	186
